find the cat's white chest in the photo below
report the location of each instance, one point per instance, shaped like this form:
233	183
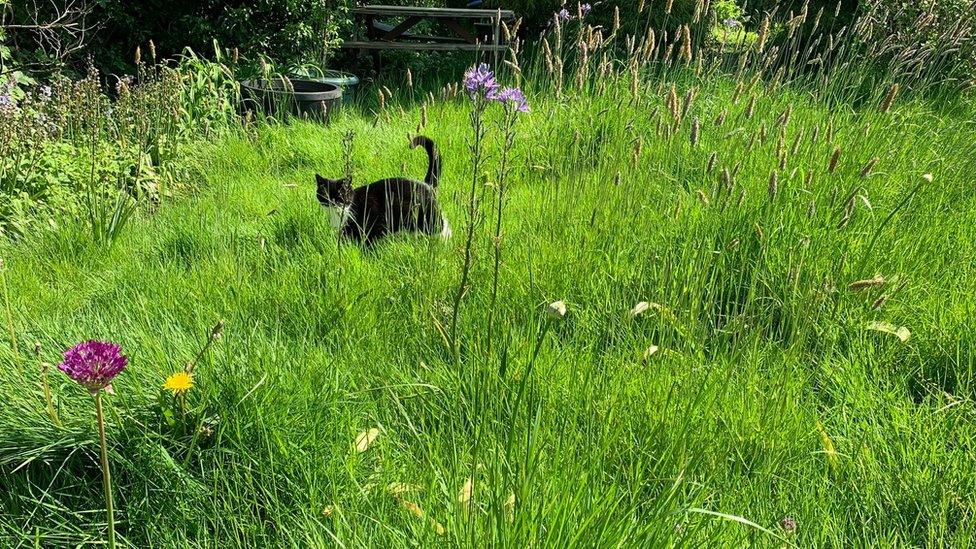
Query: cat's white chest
338	216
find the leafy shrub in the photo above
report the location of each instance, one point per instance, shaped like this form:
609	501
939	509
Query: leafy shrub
288	31
69	152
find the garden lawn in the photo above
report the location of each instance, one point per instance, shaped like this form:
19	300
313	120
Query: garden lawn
758	382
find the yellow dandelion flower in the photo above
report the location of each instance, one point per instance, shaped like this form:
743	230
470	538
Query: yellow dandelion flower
179	382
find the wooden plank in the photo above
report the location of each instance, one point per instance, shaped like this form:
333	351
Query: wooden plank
384	28
407	11
398	30
460	31
421	46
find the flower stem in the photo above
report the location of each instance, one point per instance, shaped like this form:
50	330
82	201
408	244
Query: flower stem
106	474
10	320
478	127
509	130
48	398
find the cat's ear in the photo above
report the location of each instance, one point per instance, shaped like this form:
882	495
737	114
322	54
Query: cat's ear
321	180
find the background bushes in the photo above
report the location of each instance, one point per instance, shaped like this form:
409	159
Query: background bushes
289	31
293	32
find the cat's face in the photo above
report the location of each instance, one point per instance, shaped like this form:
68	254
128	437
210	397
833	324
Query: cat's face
333	193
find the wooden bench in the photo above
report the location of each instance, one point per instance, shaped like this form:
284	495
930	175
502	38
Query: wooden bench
377	36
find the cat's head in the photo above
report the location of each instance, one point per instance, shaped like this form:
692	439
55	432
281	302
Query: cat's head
333	192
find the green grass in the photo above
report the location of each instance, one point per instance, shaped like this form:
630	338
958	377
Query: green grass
711	441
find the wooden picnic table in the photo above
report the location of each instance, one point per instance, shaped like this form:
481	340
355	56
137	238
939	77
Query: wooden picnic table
376	35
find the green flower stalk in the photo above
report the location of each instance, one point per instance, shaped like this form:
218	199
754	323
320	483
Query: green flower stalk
93	365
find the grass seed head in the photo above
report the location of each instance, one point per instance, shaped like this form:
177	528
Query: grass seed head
784	118
834	160
860	285
763	35
686	44
889	99
689	101
869	168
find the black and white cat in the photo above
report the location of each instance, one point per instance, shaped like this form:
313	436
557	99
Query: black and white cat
387	206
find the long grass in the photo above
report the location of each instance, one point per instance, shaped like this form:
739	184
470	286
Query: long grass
732	355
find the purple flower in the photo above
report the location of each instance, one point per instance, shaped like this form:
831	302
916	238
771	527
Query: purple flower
731	23
788	524
513	96
563	15
480	80
7	102
94	364
585	9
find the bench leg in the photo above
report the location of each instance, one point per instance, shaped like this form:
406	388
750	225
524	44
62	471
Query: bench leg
497	38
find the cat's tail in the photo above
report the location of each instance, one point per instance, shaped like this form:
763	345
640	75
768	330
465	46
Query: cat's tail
433	159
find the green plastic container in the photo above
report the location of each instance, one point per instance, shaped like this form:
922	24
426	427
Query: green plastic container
345	81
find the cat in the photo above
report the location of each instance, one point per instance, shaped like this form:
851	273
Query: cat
387	206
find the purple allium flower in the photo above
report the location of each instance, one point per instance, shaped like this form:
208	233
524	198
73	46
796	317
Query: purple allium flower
788	525
513	96
563	15
585	9
94	364
480	80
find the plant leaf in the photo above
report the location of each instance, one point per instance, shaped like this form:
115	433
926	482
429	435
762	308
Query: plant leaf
902	333
829	448
365	439
465	493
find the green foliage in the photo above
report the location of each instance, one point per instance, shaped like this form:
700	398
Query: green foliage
69	151
727	9
945	29
768	337
287	31
766	373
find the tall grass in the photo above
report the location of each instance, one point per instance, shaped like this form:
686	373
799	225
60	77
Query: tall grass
740	253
